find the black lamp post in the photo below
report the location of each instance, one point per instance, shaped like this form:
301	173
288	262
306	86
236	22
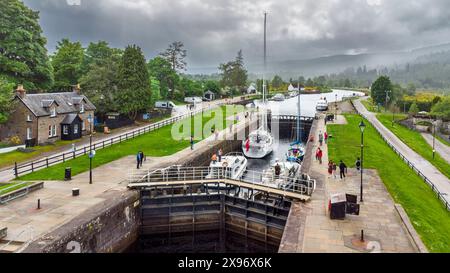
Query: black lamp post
90	148
434	137
362	126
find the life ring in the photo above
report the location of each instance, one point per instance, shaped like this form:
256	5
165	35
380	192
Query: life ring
225	164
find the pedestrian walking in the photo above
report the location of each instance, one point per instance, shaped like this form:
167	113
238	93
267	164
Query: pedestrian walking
138	160
325	137
141	158
330	167
216	134
334	170
192	142
342	169
358	164
320	138
219	154
319	155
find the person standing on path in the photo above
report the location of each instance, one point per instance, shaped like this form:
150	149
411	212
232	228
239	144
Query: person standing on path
138	160
334	169
342	169
358	164
192	143
320	138
330	167
325	137
319	155
141	158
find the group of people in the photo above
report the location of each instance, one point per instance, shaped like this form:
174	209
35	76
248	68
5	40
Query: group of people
217	157
332	168
140	158
323	137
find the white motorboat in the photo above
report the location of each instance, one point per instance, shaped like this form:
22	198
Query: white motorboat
258	144
231	165
278	97
322	105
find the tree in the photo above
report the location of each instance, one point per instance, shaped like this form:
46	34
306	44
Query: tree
442	108
414	109
99	84
175	55
309	82
277	82
161	70
67	62
98	54
6	95
379	88
233	73
23	56
212	86
133	94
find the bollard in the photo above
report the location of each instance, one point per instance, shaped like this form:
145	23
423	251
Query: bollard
362	235
39	204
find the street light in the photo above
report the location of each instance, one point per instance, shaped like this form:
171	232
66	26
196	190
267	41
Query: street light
91	155
434	136
362	126
335	106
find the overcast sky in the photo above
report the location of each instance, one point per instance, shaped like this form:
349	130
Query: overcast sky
214	30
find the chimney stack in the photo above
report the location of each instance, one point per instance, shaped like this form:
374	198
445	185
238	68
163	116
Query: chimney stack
20	91
77	89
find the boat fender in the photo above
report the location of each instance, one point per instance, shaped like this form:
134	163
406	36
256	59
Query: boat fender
225	164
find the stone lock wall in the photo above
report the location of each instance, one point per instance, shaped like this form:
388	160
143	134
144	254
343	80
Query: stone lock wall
108	227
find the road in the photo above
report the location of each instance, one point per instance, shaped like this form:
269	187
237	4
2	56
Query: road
441	182
442	149
8	174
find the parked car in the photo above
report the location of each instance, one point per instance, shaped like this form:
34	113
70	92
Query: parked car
164	104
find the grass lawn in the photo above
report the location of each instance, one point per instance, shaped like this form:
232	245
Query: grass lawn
156	143
442	140
428	215
416	142
368	103
8	159
13	188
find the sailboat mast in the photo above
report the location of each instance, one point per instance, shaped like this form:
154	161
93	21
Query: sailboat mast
265	64
299	136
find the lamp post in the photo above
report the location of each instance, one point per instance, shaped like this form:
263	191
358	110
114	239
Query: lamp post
90	148
362	126
335	106
387	98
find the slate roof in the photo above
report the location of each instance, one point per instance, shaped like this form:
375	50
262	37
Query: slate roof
70	118
66	103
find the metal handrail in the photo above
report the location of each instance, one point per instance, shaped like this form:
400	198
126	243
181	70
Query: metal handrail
177	173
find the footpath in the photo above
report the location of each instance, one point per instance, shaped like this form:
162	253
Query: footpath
441	182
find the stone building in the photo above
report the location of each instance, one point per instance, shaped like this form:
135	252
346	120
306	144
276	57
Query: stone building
46	117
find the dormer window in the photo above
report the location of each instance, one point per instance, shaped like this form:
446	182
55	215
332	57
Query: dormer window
53	112
81	108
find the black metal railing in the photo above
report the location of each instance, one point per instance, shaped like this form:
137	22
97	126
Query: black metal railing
440	195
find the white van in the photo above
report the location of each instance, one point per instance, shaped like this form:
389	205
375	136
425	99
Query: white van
193	100
164	104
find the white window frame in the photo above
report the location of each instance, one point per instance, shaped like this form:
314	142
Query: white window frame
29	133
65	129
53	112
51	131
82	108
75	128
29	118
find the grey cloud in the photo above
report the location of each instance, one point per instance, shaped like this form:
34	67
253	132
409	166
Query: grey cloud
213	31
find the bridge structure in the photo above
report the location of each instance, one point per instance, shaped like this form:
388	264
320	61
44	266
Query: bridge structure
218	180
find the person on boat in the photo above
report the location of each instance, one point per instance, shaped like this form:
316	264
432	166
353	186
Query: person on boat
247	145
258	139
214	158
342	169
277	170
219	154
358	164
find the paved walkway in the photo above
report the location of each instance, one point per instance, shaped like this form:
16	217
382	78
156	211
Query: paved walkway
58	206
378	217
8	174
442	149
441	182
